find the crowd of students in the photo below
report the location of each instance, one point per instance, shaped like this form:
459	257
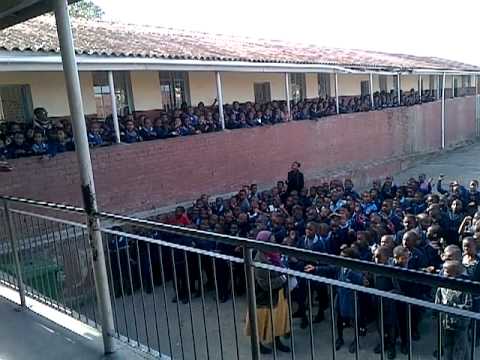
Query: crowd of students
419	225
50	137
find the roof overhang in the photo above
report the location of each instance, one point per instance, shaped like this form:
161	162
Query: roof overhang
16	11
34	61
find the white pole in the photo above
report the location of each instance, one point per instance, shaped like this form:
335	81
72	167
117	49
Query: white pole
337	104
287	96
371	90
74	94
475	79
220	99
116	127
443	111
453	86
420	87
399	96
476	104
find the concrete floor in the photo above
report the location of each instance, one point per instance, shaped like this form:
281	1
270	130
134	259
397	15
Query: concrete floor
25	335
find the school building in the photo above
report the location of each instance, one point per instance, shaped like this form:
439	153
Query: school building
157	68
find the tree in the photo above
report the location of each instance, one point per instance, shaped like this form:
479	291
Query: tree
86	9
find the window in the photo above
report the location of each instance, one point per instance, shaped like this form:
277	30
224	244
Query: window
123	93
297	87
262	92
454	86
382	79
16	103
324	85
174	89
365	87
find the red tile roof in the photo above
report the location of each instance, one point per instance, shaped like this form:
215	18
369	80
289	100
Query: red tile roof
117	39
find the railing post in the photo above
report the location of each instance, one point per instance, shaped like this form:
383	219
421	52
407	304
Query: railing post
252	301
74	95
420	87
443	111
337	105
399	90
16	257
371	90
113	98
221	115
287	96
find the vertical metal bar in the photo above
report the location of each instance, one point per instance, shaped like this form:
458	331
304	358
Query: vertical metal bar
31	241
439	337
287	96
357	341
399	90
39	244
16	257
74	94
154	298
310	320
3	243
132	294
58	291
189	290
162	275
474	337
202	293
337	103
272	318
409	318
234	309
443	111
119	264
251	298
112	287
220	99
87	261
48	280
175	286
371	90
218	307
290	318
75	240
113	99
382	331
332	319
140	275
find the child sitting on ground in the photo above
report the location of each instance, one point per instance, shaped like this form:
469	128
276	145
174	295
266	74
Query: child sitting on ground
39	146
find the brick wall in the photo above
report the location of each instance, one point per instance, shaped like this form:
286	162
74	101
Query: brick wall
152	174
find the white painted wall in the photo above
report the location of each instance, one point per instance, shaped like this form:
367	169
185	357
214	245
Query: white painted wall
311	83
49	90
146	90
349	85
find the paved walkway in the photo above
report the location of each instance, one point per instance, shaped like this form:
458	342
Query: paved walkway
461	165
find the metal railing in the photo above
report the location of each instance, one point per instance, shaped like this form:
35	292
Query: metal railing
183	293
